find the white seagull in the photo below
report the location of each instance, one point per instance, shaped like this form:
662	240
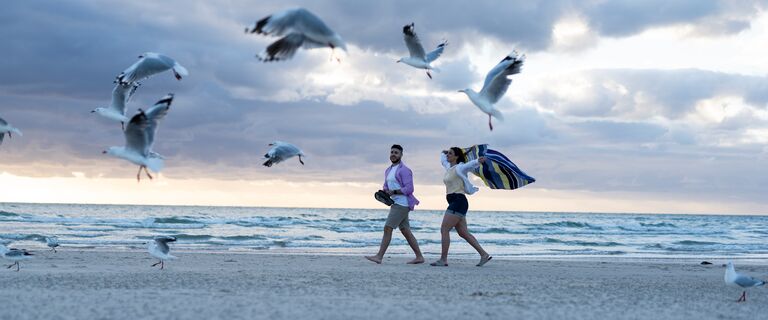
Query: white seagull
298	28
282	151
732	278
418	58
7	128
149	64
140	137
15	255
159	249
52	242
116	109
495	86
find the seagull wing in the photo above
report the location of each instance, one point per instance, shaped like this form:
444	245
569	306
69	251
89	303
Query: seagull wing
497	82
284	48
432	56
746	281
2	135
154	114
146	67
119	96
298	20
413	42
136	134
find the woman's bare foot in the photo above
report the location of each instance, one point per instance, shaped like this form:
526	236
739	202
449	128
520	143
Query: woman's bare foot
439	263
376	259
417	260
484	260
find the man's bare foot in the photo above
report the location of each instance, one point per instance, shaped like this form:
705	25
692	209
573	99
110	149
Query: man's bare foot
417	260
374	259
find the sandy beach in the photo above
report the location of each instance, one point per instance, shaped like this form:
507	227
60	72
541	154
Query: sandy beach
86	284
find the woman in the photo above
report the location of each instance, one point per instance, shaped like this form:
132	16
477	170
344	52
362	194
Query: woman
457	185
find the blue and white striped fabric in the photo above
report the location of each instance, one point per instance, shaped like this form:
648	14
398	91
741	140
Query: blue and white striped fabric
498	172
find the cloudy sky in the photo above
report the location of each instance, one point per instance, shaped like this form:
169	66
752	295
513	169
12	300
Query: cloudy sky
622	106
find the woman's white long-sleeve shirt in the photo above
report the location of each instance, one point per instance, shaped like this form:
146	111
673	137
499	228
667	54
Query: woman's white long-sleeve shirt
462	169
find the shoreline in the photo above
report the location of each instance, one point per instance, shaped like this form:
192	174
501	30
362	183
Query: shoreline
87	284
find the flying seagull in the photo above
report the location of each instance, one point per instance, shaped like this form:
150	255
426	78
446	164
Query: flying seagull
116	109
298	28
418	58
732	278
151	63
159	249
496	84
52	242
7	128
140	137
15	255
282	151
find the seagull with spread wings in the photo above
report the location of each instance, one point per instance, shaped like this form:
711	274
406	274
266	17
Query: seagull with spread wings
159	249
151	63
116	109
418	58
496	84
140	137
282	151
5	127
298	28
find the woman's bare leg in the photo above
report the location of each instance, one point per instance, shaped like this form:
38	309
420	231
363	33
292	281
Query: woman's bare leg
449	221
461	229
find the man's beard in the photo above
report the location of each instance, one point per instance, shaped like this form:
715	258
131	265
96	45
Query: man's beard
395	161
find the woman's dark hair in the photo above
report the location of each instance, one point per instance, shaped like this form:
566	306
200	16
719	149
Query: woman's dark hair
460	157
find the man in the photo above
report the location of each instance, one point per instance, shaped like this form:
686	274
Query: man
398	183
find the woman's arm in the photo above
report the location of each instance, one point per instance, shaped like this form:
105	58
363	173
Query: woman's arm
474	164
444	160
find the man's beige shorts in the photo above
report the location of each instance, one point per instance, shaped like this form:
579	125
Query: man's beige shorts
398	217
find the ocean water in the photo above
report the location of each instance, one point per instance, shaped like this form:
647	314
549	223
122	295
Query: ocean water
358	231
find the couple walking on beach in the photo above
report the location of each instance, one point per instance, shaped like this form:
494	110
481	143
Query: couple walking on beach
398	183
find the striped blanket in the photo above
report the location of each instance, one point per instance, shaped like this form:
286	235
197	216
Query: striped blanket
498	172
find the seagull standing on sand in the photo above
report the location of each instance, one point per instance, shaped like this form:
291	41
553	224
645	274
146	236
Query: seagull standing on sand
52	242
282	151
159	249
149	64
15	255
495	86
732	278
116	109
140	137
7	128
298	28
418	58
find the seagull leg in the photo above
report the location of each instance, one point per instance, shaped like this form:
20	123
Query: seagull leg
162	265
54	250
429	75
11	266
17	266
148	175
302	162
156	263
489	122
138	175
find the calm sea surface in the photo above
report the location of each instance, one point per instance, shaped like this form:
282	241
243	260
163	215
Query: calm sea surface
307	230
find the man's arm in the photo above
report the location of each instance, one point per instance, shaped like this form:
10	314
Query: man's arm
407	186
